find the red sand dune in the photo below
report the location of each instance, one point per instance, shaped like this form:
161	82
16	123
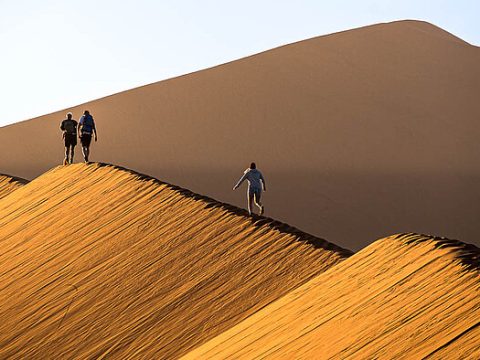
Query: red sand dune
101	262
403	297
360	134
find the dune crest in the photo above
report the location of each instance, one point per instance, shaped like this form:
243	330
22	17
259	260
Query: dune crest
10	183
405	296
100	261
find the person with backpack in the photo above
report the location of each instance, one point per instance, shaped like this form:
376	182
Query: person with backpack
256	182
69	135
86	129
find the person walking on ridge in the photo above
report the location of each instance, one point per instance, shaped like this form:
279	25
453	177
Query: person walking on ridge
69	135
256	182
86	129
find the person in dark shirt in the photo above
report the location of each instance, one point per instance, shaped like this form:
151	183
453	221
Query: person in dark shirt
69	135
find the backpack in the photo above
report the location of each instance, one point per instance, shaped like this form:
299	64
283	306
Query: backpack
87	125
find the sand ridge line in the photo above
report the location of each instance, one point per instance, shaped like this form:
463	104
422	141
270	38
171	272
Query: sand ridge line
405	295
157	269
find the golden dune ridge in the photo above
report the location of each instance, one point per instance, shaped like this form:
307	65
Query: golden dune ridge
361	134
99	262
403	297
10	183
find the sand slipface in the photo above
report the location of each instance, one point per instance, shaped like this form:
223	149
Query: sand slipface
359	134
9	184
102	262
405	296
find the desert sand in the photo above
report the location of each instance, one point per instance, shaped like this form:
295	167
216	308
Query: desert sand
102	262
403	297
10	183
360	134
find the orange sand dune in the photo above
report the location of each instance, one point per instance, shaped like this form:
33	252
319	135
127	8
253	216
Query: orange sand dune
99	262
10	183
360	134
403	297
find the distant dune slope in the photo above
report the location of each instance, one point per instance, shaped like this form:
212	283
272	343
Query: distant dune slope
98	261
360	134
403	297
10	183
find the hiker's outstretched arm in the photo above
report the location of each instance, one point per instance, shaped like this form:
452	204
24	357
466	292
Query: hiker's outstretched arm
242	179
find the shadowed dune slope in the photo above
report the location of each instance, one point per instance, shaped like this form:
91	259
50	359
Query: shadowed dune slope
99	261
403	297
360	134
10	183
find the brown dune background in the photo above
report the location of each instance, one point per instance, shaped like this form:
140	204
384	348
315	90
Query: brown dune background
360	134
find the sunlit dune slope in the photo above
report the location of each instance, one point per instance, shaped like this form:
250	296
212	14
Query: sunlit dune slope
10	183
99	261
360	134
403	297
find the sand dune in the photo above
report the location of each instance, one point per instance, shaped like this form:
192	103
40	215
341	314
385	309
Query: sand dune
361	134
403	297
99	261
10	183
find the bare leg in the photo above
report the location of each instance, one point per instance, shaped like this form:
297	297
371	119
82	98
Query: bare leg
258	195
250	202
72	151
85	152
65	161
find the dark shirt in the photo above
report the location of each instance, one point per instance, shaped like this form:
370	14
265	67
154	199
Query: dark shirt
69	126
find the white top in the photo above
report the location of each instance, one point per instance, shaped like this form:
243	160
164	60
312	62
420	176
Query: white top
254	177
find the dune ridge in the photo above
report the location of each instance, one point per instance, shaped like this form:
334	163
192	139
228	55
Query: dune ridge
10	183
468	254
405	296
99	261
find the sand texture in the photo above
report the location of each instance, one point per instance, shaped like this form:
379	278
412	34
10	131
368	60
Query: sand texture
9	184
102	262
403	297
360	134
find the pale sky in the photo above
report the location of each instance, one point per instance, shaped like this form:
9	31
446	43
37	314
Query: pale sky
60	53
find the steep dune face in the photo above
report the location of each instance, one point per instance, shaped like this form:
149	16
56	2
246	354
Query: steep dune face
98	261
360	134
403	297
9	183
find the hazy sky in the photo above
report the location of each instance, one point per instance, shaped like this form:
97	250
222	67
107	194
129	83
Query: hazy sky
57	54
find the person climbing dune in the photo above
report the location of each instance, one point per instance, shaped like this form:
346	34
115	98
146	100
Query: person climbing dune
86	129
69	135
256	182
